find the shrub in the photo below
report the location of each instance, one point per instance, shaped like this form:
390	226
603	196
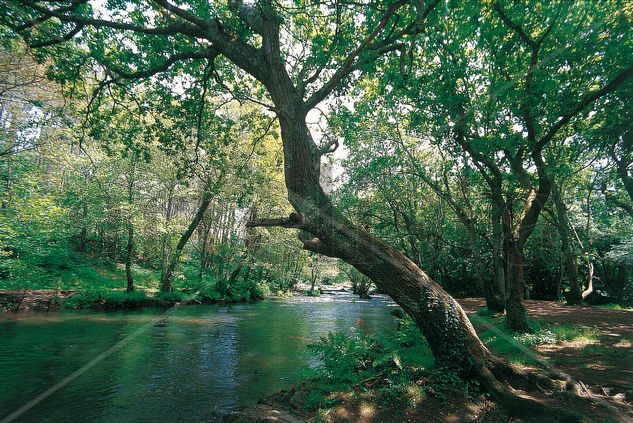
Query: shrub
397	364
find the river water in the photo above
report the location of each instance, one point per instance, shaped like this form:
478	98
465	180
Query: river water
192	363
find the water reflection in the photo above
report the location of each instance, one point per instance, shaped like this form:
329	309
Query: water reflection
187	364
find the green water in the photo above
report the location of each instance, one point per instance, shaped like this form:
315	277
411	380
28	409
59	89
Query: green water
190	363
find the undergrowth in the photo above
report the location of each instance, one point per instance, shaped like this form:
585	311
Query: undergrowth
400	368
393	368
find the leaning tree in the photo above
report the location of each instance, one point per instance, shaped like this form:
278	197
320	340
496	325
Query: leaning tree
300	53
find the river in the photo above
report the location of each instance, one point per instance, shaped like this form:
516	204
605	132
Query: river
190	363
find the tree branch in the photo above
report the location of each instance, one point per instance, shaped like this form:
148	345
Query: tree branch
294	221
58	40
587	100
348	65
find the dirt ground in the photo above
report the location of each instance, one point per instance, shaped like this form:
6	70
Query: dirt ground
608	363
605	365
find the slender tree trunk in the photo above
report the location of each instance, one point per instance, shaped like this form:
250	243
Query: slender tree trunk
203	250
184	238
84	215
571	266
130	227
129	255
589	290
624	163
498	274
165	241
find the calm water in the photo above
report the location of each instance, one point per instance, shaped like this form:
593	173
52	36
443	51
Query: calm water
190	363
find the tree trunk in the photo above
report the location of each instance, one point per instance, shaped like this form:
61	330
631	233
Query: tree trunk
623	164
165	284
516	314
82	239
498	274
484	284
129	255
440	318
589	290
203	251
324	230
571	266
130	226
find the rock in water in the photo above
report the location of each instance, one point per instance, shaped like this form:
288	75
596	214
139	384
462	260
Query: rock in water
260	413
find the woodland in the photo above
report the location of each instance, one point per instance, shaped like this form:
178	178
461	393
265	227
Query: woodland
161	152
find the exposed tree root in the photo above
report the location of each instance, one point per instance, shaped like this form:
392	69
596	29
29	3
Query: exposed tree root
535	396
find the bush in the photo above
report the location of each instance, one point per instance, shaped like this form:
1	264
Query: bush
398	364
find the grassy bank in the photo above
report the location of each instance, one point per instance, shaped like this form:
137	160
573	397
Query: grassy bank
100	285
367	374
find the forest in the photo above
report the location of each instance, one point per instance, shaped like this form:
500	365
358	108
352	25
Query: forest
316	210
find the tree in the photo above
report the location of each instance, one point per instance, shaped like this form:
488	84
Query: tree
503	101
250	37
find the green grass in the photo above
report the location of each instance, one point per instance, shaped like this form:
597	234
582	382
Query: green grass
614	307
174	296
515	347
106	299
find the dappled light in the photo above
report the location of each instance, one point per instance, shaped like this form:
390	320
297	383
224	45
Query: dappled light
316	211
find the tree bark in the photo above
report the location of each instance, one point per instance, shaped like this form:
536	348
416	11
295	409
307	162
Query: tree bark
498	274
517	317
129	255
571	265
165	284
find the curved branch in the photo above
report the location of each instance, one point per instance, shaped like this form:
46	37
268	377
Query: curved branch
294	221
172	29
58	40
587	100
210	54
350	64
514	26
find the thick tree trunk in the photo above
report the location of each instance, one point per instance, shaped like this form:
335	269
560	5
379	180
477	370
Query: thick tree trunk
516	314
571	266
440	318
324	230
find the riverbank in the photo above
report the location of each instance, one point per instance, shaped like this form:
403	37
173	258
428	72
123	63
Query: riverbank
592	345
50	300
